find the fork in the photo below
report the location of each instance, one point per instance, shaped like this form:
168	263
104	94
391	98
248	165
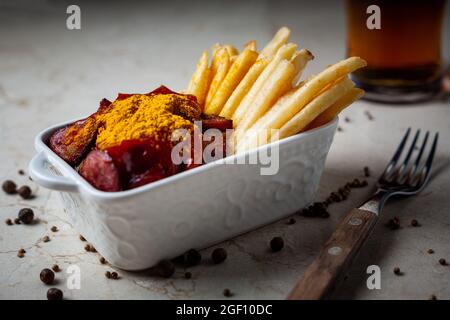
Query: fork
400	178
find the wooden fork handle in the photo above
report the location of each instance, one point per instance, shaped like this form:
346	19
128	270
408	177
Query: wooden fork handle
322	275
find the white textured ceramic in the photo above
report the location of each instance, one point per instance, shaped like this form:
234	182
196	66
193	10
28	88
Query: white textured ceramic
135	229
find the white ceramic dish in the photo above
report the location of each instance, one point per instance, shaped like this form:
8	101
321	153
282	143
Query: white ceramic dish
135	229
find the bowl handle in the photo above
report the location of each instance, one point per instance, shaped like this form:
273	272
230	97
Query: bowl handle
41	174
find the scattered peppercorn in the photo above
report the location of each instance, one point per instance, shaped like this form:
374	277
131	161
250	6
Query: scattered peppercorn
366	172
45	238
276	244
82	238
54	229
54	294
9	187
317	209
415	223
347	119
56	268
193	257
219	255
26	215
393	223
114	275
443	262
47	276
339	129
369	115
291	221
88	247
164	268
108	274
17	221
227	292
430	251
25	192
21	172
397	271
187	275
21	253
432	297
9	222
102	260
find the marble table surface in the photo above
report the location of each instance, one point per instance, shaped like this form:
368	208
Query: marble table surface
49	74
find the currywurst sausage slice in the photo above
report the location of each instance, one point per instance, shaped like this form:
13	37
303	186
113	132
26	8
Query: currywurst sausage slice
99	170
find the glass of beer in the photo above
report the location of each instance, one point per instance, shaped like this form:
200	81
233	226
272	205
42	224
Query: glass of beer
401	42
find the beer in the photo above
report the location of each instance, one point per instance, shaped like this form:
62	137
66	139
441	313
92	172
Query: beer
402	49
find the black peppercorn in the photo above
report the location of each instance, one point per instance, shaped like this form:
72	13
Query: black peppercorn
393	223
430	251
164	268
9	222
415	223
56	268
21	253
291	221
108	274
45	238
102	260
397	271
9	187
276	244
21	172
192	257
47	276
17	221
227	292
114	275
54	228
26	215
443	262
219	255
54	294
82	238
24	192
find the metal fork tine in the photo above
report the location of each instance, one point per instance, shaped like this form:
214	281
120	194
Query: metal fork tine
424	143
432	151
397	154
422	176
399	150
411	149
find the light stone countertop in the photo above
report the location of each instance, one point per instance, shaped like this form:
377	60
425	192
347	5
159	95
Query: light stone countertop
49	74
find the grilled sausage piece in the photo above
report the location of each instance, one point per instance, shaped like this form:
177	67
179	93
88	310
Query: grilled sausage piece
73	141
99	170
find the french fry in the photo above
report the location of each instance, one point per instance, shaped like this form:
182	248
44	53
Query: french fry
318	105
251	45
276	118
219	69
285	52
299	60
279	82
334	110
232	51
280	38
248	138
198	85
243	88
235	74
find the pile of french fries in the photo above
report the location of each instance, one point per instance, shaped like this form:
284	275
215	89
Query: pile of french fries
263	92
